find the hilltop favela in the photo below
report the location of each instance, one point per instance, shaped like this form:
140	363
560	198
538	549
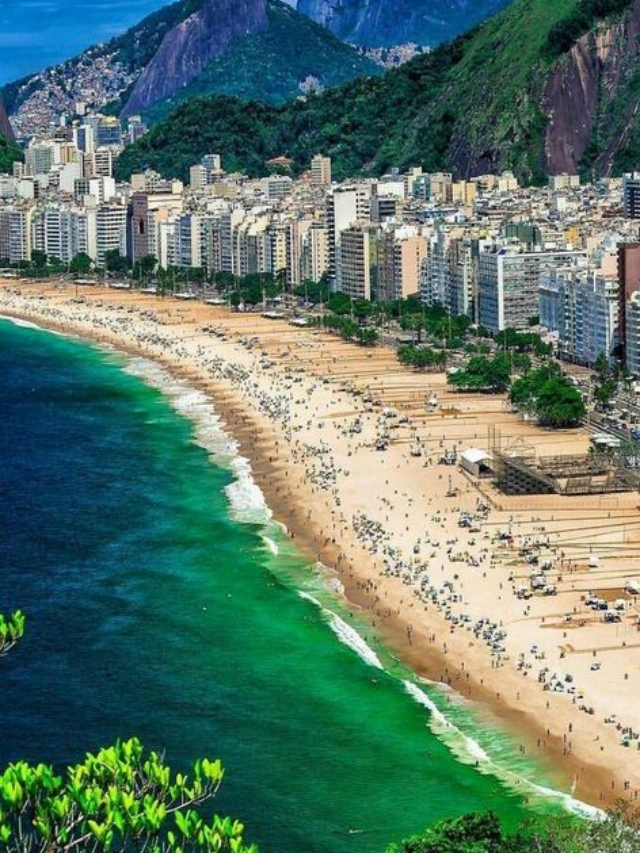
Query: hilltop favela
320	382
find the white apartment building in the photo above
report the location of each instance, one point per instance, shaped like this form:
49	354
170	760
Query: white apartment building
582	306
188	232
345	206
63	233
16	233
111	230
509	281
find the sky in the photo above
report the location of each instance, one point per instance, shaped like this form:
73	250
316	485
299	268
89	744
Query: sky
37	33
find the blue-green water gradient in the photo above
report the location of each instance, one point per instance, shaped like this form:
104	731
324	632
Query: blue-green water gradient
153	611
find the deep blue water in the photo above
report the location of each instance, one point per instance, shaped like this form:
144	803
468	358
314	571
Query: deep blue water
153	611
35	34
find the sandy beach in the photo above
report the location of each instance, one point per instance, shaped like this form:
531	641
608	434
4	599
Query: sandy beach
308	411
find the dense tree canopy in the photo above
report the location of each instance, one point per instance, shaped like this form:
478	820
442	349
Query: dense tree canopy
482	833
121	798
9	154
484	373
422	358
548	395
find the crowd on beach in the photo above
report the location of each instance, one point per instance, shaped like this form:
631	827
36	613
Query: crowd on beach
431	558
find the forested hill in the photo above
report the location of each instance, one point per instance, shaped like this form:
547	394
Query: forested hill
545	86
260	49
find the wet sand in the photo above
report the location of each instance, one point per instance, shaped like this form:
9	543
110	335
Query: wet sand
308	411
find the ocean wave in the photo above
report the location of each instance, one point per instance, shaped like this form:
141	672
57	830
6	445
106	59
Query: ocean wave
271	545
350	637
468	751
244	495
26	324
346	634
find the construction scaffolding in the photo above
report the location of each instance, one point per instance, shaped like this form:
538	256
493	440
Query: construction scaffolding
522	473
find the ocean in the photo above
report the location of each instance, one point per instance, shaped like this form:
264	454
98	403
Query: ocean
163	601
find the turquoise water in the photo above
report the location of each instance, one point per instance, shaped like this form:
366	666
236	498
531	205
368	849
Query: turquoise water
162	602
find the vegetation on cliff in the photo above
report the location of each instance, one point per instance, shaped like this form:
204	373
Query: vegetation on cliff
475	105
472	105
9	154
277	64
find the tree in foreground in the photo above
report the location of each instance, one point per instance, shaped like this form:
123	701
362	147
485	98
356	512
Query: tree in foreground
618	832
119	799
11	631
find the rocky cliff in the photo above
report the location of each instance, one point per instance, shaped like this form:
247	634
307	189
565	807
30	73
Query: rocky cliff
542	87
5	126
591	98
260	49
376	23
187	49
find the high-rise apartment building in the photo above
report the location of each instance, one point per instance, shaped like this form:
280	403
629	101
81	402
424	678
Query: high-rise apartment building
111	228
583	307
629	277
631	195
345	206
321	171
357	261
508	284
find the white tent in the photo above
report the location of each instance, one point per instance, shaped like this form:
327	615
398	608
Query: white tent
473	459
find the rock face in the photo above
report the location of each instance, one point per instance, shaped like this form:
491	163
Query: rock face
188	47
594	74
5	126
386	23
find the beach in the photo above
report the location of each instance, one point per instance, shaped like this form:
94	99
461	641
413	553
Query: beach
309	412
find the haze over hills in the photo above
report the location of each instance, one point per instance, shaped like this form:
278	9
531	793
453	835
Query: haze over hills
385	23
542	87
260	48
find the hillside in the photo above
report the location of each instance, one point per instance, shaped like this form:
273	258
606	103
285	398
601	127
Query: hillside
9	152
203	46
381	23
545	86
5	127
291	56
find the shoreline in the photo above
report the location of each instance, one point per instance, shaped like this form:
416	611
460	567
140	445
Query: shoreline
279	477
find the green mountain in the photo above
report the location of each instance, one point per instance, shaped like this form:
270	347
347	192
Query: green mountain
291	56
261	49
545	86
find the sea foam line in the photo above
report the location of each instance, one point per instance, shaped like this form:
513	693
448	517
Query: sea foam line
345	633
465	748
249	506
245	497
468	751
26	324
